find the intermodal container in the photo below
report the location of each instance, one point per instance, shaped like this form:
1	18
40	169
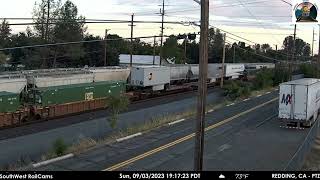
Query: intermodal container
80	92
9	102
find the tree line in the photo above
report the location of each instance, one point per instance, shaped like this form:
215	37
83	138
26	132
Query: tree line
56	22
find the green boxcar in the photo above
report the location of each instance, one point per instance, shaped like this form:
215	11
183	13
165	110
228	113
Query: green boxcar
9	102
78	92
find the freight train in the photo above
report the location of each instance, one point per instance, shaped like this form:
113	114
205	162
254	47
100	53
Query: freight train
28	96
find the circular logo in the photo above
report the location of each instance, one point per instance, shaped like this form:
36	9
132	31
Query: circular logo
306	12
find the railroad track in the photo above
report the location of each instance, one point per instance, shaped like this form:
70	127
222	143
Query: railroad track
45	124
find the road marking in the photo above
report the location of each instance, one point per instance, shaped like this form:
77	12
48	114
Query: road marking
176	122
230	104
52	160
247	99
210	111
178	141
129	137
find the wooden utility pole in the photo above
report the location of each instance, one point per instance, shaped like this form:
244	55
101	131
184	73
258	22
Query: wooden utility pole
293	51
162	28
154	50
318	61
43	17
223	59
234	54
47	25
105	47
185	49
202	89
312	46
131	39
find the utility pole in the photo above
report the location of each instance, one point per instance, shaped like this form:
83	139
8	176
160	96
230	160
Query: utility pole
131	39
234	54
202	89
293	51
43	16
185	49
223	59
318	62
47	25
105	47
154	50
312	46
162	11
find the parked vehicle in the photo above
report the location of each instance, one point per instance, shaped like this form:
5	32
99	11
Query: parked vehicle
299	102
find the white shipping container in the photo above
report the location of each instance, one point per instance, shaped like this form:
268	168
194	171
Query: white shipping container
146	76
179	72
49	81
299	100
14	85
110	74
214	71
234	69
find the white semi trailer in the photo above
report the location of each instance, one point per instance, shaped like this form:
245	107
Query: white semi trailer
299	102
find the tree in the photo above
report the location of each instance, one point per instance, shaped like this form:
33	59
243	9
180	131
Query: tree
215	45
301	47
171	50
69	27
5	33
265	47
3	58
44	17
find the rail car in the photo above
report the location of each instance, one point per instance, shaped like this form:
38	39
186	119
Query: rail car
28	96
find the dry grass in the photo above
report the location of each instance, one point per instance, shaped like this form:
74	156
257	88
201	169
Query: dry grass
312	161
156	122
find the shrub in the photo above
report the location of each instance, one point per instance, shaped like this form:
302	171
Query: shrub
236	89
264	79
59	147
116	105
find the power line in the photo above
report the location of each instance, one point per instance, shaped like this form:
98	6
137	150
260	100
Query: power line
75	42
103	22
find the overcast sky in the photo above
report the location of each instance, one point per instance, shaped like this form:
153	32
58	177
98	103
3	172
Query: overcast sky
262	21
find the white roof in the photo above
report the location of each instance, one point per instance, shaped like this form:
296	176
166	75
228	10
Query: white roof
305	81
139	59
149	66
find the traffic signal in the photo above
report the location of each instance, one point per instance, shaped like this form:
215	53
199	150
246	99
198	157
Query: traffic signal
192	36
181	36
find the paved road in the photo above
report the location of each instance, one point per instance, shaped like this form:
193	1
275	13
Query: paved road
244	136
31	141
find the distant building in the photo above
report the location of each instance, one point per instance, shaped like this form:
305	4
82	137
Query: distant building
140	60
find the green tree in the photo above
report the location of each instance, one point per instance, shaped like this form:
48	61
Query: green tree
44	27
69	27
3	58
215	45
5	33
171	50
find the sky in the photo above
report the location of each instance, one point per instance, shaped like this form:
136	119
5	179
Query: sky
261	21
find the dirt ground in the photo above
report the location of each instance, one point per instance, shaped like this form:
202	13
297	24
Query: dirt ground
312	162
